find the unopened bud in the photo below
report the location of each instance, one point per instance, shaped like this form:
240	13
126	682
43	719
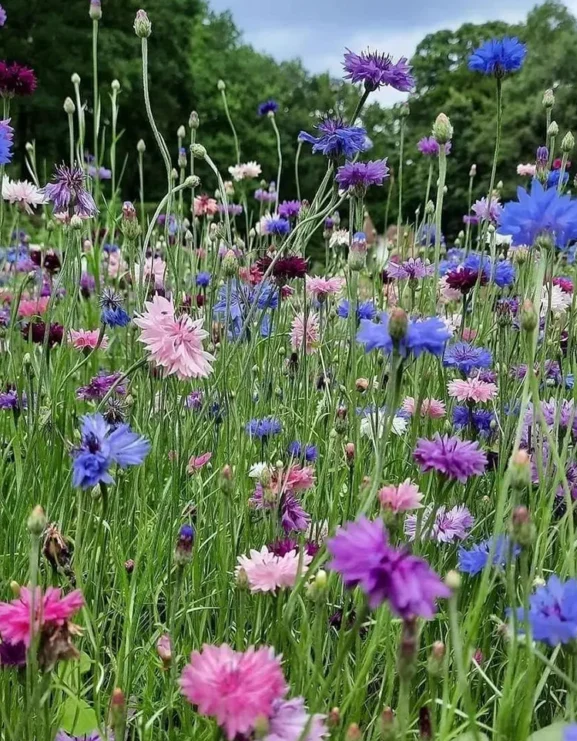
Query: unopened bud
522	528
548	99
226	480
181	132
362	384
568	143
350	452
118	712
453	580
141	146
164	650
473	171
353	733
334	718
387	725
193	120
230	264
37	521
142	25
69	106
404	111
436	659
184	543
520	470
529	319
553	129
261	727
95	10
221	85
115	85
76	223
398	325
192	181
129	566
15	588
442	129
430	208
198	151
75	79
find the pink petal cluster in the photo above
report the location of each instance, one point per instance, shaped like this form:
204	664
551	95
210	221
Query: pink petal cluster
234	687
33	306
320	288
154	270
174	343
245	171
526	170
297	478
26	195
86	339
305	331
472	389
433	408
401	498
205	206
195	464
266	572
50	609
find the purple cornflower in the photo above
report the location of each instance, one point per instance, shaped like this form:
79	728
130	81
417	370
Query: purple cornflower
10	400
195	400
552	612
446	527
233	209
269	106
451	457
286	545
376	70
92	736
498	56
3	16
101	447
429	146
289	209
473	561
427	335
6	142
87	284
68	192
363	557
100	173
293	516
464	357
99	386
411	269
358	176
12	655
264	196
263	428
487	209
336	138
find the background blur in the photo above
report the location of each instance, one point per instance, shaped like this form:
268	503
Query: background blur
292	52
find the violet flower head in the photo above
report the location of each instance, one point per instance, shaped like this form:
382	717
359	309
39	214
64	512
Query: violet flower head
269	106
358	176
451	457
411	269
6	142
429	146
336	138
68	192
363	557
447	526
376	70
3	16
289	209
487	209
10	400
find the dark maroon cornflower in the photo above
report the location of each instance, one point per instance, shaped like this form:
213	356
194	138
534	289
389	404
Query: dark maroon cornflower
68	192
36	331
51	263
286	545
99	386
285	268
12	655
464	279
15	79
375	70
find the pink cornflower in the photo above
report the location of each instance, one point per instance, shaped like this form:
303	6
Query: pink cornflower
305	331
448	294
526	170
297	478
205	206
472	389
195	464
234	687
33	306
401	498
469	334
266	572
154	270
51	610
174	343
320	288
86	339
433	408
26	195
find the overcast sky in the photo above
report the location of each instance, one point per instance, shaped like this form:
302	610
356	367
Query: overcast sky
317	31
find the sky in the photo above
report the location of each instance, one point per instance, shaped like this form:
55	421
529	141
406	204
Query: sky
317	31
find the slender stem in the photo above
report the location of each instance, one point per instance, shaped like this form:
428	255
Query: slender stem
96	104
230	123
360	104
279	153
439	207
297	179
498	137
71	136
401	155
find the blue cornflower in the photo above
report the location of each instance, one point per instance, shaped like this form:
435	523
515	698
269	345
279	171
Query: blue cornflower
426	234
480	419
570	733
276	226
552	612
101	447
234	303
498	56
269	106
113	315
263	428
473	561
478	262
554	177
428	335
504	274
6	142
308	452
540	213
365	310
203	279
465	357
336	138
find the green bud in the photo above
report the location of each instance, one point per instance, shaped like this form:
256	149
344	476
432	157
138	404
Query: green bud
194	121
141	146
75	79
522	529
453	580
548	99
198	151
398	325
192	181
529	318
568	142
37	521
221	85
142	25
442	129
520	470
553	129
95	10
69	106
230	264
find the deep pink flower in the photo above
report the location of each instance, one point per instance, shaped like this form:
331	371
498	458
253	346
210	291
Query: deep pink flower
87	339
234	687
33	306
305	332
50	609
195	464
297	478
401	498
472	389
266	572
320	288
205	206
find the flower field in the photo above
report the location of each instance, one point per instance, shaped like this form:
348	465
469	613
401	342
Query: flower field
264	475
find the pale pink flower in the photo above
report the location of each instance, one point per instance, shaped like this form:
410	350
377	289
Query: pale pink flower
290	720
390	295
433	408
320	288
472	389
86	339
33	306
527	170
17	622
235	688
246	171
305	331
174	343
469	334
205	206
266	572
195	464
448	294
401	498
154	269
26	195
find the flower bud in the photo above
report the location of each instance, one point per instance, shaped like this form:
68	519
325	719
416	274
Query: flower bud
548	99
408	648
404	111
75	79
183	550
118	712
542	156
76	223
37	521
453	580
69	106
387	725
398	325
522	529
142	25
221	85
164	650
568	143
141	146
350	453
192	181
129	566
334	718
436	659
193	120
261	727
473	171
230	264
520	470
553	129
529	319
198	151
115	85
95	10
226	480
442	129
15	588
429	208
353	733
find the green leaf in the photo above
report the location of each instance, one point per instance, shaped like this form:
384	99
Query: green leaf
469	736
78	717
549	733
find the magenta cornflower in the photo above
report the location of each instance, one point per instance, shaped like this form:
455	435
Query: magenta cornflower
15	79
51	610
363	557
454	458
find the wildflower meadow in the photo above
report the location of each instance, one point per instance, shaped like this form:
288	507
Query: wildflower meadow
268	476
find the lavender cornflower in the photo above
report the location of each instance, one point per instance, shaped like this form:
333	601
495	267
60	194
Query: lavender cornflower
411	269
473	561
429	146
336	138
264	196
363	557
263	428
68	192
91	736
269	106
365	310
446	527
451	457
427	335
195	400
376	70
6	142
101	447
113	315
10	400
3	16
552	612
498	57
99	386
293	516
289	209
359	176
487	209
465	357
87	285
233	209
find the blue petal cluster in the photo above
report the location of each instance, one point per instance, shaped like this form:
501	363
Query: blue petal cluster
498	57
336	138
429	335
263	428
6	142
552	612
365	310
473	561
465	357
269	106
298	450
